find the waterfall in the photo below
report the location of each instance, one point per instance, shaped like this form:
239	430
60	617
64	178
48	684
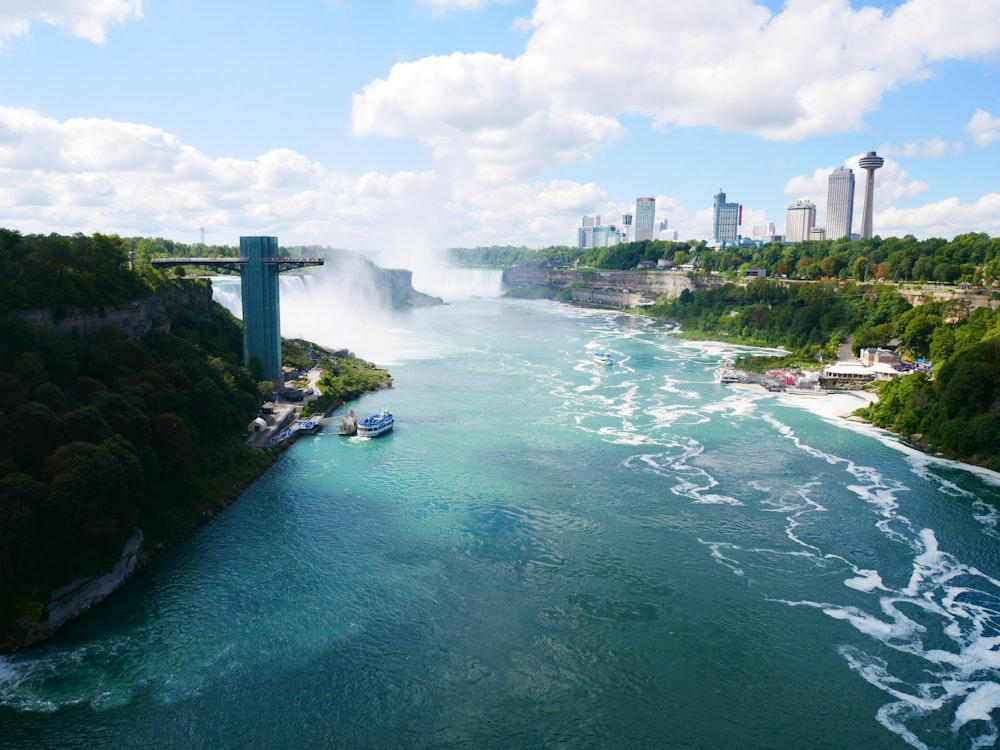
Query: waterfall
227	291
335	308
452	284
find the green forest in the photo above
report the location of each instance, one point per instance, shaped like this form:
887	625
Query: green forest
101	433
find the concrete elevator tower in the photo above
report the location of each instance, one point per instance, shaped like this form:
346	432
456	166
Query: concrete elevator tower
261	317
259	264
869	162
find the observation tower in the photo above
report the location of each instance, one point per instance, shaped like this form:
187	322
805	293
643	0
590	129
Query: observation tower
259	266
869	162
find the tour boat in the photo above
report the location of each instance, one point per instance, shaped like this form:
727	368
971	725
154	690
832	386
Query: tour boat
376	424
602	358
727	374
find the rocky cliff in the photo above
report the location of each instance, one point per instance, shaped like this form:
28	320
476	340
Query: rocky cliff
651	282
73	600
399	283
135	319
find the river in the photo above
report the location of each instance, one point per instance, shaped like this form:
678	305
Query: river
547	552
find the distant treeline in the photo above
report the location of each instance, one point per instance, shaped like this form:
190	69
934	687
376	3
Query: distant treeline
973	258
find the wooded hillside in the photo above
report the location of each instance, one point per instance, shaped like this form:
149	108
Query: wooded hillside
99	434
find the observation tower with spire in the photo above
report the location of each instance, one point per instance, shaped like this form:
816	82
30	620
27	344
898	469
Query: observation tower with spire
869	162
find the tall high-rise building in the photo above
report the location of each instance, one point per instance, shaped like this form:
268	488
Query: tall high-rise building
839	203
869	162
726	219
800	220
645	211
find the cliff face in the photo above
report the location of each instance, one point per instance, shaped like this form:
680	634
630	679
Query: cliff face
73	600
659	283
399	282
135	319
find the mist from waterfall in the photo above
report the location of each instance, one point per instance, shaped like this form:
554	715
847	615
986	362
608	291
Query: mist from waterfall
340	305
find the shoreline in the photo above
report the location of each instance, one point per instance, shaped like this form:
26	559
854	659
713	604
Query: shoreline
839	407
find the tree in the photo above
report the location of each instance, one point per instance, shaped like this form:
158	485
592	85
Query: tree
860	271
917	335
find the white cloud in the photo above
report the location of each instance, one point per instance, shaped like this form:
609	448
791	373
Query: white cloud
924	148
87	20
984	128
98	175
944	218
732	65
481	114
87	175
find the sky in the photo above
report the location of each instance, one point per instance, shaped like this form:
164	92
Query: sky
415	125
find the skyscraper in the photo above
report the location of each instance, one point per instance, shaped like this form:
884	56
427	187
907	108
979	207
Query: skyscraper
726	219
839	203
801	218
869	162
645	211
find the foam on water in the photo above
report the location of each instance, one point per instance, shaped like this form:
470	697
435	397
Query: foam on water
957	633
944	620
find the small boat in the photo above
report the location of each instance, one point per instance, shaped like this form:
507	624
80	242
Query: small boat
603	358
726	375
376	424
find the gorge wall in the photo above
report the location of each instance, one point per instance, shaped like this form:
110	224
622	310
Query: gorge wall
134	319
649	282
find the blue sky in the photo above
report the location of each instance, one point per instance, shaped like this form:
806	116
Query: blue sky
412	125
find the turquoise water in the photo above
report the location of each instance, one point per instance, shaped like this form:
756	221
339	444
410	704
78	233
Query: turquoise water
547	552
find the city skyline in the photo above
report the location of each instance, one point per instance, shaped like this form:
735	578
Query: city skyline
421	124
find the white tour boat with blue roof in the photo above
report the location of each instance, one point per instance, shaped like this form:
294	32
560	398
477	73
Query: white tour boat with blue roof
376	424
603	358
